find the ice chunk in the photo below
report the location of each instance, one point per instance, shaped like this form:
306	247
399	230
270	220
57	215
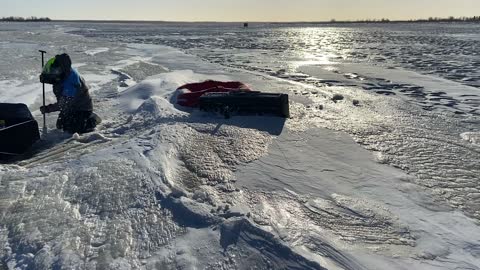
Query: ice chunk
472	137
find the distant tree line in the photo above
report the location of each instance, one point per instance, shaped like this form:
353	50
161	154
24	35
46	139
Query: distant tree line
451	18
431	19
363	21
22	19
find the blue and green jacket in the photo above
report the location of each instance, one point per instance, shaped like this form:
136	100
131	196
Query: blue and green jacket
72	93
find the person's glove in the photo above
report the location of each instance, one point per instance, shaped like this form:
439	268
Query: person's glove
49	108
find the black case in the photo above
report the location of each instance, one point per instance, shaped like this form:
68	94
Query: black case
20	131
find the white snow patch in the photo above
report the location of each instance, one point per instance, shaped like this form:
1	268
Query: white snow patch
345	187
429	82
316	190
162	85
96	81
79	65
129	61
15	91
90	137
97	51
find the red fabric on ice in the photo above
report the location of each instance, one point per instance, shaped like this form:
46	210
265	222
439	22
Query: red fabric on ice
196	90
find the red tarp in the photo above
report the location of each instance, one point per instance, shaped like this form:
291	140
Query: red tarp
195	90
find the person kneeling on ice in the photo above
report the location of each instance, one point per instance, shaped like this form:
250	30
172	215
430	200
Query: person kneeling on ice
73	99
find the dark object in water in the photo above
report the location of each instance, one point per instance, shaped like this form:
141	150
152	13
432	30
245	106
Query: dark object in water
245	103
387	93
18	130
337	97
245	25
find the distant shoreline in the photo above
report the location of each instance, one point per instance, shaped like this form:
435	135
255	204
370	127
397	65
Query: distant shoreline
22	19
475	19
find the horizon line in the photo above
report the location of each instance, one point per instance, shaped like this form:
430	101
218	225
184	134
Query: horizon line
332	21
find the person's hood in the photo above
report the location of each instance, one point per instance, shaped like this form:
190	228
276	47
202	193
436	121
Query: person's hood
57	69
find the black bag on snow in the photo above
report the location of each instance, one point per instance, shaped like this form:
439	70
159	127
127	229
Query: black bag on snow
18	130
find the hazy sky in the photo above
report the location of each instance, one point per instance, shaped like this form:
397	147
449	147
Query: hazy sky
239	10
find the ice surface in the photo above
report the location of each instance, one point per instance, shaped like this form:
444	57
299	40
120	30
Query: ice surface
15	91
387	182
365	205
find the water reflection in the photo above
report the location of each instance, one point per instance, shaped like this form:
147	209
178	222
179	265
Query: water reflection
448	52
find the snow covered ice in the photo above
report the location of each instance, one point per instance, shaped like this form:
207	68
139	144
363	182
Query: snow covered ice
390	182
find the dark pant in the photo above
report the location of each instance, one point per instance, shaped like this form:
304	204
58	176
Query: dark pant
78	121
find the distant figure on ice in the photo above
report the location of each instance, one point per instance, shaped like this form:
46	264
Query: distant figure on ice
73	99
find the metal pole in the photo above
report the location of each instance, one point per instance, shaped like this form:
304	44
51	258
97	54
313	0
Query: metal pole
43	86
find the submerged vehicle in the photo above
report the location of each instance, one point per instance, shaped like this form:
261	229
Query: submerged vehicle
230	98
18	130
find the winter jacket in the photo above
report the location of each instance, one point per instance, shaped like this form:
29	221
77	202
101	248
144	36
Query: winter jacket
72	94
